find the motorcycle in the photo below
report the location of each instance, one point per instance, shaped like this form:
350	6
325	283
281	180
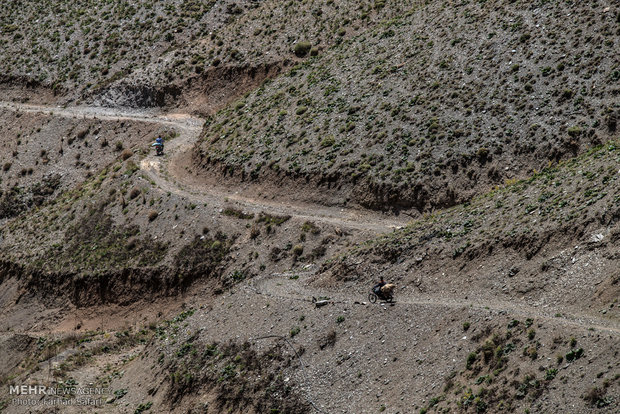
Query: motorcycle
159	149
378	294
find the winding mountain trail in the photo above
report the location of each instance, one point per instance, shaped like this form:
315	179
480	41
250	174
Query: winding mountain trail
280	286
189	128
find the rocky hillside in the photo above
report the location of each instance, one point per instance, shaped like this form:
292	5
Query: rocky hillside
147	53
548	241
467	152
85	45
46	154
432	107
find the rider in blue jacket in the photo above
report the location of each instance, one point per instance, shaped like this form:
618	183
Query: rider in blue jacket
159	145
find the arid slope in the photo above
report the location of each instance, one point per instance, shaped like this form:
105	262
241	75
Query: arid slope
432	107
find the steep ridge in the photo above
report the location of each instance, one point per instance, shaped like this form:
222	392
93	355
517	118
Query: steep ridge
190	53
430	108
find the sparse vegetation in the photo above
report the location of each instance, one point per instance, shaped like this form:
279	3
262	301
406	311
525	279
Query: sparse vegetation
239	376
493	134
451	136
233	212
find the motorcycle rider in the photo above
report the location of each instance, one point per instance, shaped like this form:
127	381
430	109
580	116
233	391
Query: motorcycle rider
159	145
377	288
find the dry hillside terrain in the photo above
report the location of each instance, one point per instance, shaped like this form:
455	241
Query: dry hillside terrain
185	52
466	151
427	109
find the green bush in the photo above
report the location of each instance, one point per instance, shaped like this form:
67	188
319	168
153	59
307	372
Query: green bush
574	131
328	141
471	358
301	49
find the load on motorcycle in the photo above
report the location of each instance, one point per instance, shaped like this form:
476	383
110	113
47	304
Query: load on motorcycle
159	146
383	291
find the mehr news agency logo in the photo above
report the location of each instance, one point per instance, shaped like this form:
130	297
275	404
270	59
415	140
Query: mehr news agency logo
57	396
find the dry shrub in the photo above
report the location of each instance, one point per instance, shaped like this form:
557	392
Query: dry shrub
126	154
153	215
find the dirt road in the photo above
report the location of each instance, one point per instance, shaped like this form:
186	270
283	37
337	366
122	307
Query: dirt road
189	129
180	182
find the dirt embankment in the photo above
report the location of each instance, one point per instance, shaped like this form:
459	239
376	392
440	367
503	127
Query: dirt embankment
202	94
81	290
333	188
25	89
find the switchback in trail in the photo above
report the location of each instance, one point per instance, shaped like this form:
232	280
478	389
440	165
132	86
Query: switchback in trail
189	129
178	182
